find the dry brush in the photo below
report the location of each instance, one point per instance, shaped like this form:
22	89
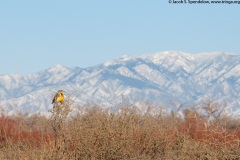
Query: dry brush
125	133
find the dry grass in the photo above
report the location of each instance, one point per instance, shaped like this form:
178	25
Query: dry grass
123	134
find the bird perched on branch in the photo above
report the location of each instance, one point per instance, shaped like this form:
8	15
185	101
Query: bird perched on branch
59	97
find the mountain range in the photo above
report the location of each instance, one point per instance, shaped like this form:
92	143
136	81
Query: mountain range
166	79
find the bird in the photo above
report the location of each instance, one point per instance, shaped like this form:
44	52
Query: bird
59	97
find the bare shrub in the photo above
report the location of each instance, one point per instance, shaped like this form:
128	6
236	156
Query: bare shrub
125	133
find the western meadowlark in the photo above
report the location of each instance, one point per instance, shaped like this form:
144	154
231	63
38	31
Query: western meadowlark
59	97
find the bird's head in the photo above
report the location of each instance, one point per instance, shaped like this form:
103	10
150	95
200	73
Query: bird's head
60	91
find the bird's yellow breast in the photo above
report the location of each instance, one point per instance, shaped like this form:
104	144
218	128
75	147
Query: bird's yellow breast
60	98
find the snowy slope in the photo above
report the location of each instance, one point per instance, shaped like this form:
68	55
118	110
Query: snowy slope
164	78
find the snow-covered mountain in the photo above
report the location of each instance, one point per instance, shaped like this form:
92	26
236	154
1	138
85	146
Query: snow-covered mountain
166	78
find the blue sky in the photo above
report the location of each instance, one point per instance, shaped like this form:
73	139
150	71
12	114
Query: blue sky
38	34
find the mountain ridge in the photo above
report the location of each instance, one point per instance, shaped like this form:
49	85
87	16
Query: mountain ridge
161	78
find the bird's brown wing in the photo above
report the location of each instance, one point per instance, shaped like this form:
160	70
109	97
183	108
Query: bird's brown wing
55	98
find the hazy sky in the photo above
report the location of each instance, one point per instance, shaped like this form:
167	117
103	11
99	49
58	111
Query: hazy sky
38	34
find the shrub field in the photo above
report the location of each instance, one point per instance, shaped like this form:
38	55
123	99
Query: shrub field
126	133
